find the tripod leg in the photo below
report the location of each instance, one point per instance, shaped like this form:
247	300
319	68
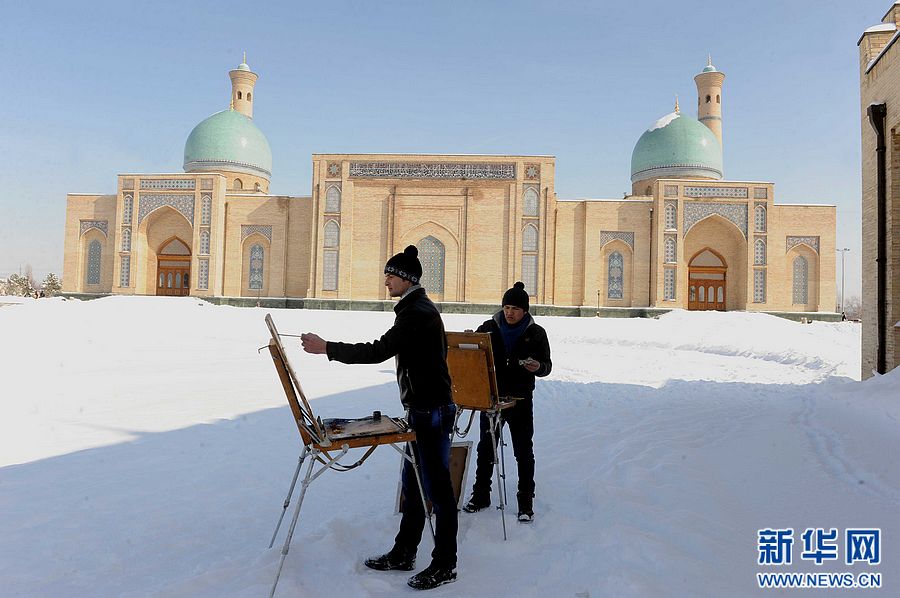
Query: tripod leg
496	426
415	464
287	499
287	541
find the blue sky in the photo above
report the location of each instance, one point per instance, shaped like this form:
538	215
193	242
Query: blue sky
97	88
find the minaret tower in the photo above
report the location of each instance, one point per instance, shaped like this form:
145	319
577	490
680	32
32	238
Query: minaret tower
243	81
709	98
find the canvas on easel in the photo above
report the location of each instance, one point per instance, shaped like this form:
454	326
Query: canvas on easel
327	441
473	378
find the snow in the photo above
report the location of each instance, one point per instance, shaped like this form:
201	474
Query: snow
146	448
664	121
881	27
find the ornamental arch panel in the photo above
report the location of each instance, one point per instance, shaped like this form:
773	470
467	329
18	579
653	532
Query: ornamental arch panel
453	276
256	252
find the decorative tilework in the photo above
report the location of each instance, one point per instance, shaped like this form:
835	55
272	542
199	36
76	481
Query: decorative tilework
669	284
127	209
530	238
125	271
186	184
792	242
532	171
330	270
204	242
759	218
333	199
694	212
263	229
670	249
608	235
670	191
760	193
203	281
128	184
101	225
333	170
205	209
759	286
671	215
257	257
530	273
759	252
531	201
425	170
206	184
151	201
126	239
332	237
93	270
801	281
730	192
431	255
615	279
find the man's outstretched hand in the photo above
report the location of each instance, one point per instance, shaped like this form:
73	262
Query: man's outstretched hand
312	343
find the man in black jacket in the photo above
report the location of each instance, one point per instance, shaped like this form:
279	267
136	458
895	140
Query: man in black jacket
418	342
521	352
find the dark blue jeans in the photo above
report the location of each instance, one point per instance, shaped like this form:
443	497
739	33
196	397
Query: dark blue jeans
521	427
434	429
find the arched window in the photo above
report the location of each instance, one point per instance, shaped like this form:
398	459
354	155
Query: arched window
125	271
615	281
127	209
718	99
126	239
671	212
332	237
205	209
431	254
670	250
530	238
759	253
204	242
669	285
239	95
530	202
249	96
257	259
93	269
708	99
801	280
333	200
760	218
238	184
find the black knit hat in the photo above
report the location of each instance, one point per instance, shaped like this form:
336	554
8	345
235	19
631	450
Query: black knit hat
405	265
516	296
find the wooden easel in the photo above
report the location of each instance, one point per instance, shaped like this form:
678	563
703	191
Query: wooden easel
474	383
327	441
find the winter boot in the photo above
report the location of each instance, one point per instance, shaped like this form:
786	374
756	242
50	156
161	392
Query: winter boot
395	560
526	507
432	576
477	502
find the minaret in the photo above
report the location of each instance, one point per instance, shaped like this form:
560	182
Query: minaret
242	82
709	98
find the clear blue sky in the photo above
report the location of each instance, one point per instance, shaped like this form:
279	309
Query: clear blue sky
92	89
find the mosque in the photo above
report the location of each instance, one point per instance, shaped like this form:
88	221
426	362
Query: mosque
684	238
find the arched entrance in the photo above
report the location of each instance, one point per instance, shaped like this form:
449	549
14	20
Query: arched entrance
706	281
173	268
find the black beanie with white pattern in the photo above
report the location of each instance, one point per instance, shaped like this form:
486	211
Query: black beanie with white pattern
405	265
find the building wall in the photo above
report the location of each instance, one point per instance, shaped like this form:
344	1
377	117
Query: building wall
98	212
880	83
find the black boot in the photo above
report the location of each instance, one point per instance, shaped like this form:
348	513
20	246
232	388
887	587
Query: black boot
477	502
395	560
432	576
526	507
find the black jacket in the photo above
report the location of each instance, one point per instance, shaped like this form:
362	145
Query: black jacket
513	380
418	341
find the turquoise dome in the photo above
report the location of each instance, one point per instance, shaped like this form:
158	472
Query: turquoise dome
676	146
230	141
709	69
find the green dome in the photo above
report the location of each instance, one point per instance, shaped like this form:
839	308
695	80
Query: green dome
228	140
676	146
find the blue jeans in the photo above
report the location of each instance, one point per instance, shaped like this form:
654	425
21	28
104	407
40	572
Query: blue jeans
434	429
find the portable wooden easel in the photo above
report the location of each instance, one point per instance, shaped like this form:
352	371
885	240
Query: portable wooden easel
474	383
327	441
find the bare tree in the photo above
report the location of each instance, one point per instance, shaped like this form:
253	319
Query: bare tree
853	307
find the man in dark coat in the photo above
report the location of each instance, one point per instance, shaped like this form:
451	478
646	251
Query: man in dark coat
521	352
418	343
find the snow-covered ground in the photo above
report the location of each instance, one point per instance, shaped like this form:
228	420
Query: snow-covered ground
146	447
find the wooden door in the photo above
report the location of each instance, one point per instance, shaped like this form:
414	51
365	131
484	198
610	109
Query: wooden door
706	294
173	278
